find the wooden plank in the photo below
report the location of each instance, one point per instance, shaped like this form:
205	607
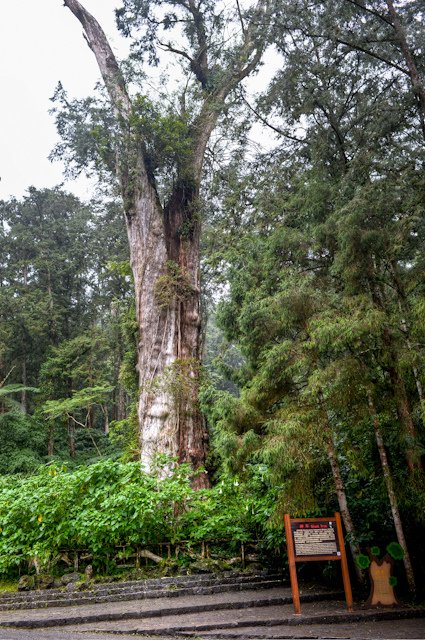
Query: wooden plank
292	568
344	564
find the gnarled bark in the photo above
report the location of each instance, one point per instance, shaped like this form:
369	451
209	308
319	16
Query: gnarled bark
164	244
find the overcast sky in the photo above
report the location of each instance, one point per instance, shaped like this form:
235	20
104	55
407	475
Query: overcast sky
41	43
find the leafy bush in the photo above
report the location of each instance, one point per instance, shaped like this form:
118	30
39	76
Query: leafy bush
110	503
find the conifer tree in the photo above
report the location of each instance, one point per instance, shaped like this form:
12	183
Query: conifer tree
143	147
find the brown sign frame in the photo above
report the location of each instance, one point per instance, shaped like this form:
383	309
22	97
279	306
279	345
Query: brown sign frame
293	558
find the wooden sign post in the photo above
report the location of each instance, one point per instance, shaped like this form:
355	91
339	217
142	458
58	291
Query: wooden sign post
310	539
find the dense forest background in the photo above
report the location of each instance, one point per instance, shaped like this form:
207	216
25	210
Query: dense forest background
313	262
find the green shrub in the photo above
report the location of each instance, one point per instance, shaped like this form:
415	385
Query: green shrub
107	504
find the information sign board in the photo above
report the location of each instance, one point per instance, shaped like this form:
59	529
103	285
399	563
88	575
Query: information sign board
315	538
310	539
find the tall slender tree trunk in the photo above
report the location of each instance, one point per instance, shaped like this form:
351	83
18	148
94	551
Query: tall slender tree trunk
404	311
51	439
120	407
340	490
392	367
392	495
24	395
71	438
403	407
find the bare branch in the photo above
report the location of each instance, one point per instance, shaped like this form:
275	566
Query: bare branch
169	47
271	126
240	17
108	65
2	383
84	425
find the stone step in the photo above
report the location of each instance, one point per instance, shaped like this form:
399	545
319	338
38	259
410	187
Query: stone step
136	590
82	599
157	608
159	583
224	621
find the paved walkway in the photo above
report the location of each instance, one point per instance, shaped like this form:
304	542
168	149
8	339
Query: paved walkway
266	614
411	629
155	607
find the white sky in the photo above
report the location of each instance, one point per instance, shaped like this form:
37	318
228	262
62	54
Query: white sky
41	43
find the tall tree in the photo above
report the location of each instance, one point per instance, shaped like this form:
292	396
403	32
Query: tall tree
164	238
44	293
327	274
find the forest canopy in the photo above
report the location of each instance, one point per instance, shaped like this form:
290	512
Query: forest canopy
269	301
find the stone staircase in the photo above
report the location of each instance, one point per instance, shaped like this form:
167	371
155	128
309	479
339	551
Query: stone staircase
209	606
167	587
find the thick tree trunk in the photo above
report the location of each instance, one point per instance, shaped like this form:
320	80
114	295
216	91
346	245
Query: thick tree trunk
164	242
164	250
392	496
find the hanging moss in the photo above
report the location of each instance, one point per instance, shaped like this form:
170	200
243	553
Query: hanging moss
174	284
181	378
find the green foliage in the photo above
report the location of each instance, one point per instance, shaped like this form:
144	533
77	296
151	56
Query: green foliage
22	437
85	399
22	442
165	134
66	325
174	284
363	561
109	503
395	550
319	244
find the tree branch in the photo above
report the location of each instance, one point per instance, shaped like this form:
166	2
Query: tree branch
271	126
363	7
180	52
108	65
71	417
240	16
199	64
248	58
131	159
356	47
415	78
2	383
